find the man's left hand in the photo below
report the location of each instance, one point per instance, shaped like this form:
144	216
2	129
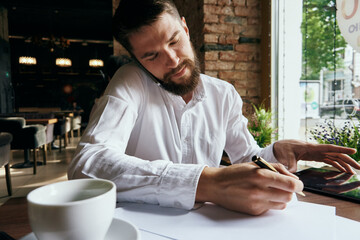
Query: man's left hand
288	152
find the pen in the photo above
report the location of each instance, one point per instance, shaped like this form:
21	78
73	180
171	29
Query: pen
264	164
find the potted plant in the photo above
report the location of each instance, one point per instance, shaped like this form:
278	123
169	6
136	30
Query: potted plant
260	126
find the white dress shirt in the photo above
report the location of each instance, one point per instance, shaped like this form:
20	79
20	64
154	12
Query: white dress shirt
154	146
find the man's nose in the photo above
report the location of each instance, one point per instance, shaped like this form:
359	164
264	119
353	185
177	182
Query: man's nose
171	59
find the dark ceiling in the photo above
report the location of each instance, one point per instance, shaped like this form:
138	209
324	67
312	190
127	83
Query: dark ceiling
72	19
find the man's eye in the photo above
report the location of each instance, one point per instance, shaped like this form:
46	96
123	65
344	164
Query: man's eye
153	57
175	42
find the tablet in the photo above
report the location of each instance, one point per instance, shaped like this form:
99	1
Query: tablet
331	183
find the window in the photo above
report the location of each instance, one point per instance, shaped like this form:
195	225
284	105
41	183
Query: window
316	73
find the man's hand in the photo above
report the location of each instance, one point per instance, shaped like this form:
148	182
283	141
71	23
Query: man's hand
288	152
247	188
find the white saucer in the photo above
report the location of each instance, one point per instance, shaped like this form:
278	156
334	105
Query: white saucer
119	230
122	230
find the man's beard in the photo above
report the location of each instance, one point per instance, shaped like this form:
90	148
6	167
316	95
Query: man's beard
188	83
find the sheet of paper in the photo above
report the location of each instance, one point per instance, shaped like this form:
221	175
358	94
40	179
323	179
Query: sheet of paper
347	228
147	235
299	220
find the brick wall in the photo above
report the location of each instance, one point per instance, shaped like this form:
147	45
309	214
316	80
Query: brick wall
231	46
226	36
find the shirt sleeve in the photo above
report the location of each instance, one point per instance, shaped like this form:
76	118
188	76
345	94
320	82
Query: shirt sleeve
101	154
240	144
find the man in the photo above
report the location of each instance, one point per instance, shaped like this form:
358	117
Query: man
160	129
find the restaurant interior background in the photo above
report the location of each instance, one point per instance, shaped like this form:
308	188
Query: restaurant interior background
48	30
302	95
289	53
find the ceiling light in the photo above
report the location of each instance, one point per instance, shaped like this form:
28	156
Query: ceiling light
27	60
63	62
96	63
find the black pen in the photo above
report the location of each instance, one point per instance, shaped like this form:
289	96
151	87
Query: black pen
264	164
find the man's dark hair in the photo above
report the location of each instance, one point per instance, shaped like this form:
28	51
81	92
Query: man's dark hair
131	15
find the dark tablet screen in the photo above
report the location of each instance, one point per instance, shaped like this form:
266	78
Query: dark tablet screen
331	183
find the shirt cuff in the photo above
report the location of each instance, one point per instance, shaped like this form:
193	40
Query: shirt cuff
267	153
179	185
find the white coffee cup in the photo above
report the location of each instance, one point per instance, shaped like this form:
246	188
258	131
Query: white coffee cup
76	209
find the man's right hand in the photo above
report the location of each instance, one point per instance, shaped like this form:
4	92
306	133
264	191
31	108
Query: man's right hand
247	188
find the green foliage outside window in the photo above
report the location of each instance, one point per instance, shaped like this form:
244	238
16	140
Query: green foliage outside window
318	48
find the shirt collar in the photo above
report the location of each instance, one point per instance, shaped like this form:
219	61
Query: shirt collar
199	93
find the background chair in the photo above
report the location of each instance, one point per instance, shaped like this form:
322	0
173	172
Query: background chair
60	131
49	130
76	125
25	137
5	153
49	127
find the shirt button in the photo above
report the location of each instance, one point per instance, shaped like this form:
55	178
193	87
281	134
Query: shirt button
177	204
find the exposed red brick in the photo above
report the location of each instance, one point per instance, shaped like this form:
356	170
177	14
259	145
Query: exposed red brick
225	21
250	83
233	56
212	74
248	31
242	66
253	3
248	66
212	56
240	30
218	65
211	38
218	28
241	88
210	1
233	20
212	9
252	92
229	11
253	76
222	39
232	82
232	75
211	18
224	2
247	12
253	31
247	47
232	39
241	91
253	57
239	2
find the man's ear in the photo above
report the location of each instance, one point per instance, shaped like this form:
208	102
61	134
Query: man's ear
184	25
